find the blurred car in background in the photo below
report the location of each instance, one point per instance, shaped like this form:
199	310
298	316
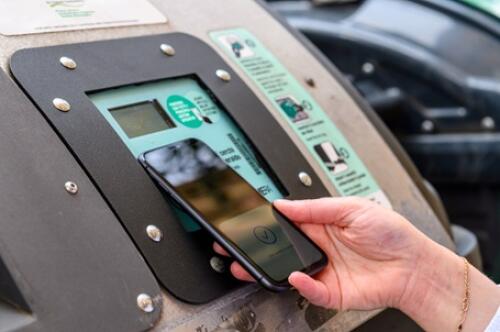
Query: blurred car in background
431	70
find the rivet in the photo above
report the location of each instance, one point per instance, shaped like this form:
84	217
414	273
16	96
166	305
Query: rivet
368	68
488	123
145	303
217	264
167	49
67	62
71	187
427	126
223	75
61	104
154	233
305	179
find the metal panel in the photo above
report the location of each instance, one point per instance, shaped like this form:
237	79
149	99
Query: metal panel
286	311
67	254
178	261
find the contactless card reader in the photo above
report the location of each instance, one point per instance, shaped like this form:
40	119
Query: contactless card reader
142	99
150	115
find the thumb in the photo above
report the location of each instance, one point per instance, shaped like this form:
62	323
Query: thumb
328	210
313	290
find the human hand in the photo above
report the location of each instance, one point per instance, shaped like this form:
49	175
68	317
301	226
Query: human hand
377	259
372	252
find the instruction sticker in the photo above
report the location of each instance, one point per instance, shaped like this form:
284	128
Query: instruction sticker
19	17
316	130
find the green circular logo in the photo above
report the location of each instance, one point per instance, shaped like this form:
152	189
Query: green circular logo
184	111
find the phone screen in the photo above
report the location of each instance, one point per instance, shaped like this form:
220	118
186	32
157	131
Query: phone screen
234	208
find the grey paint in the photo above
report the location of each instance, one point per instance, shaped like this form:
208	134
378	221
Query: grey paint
68	255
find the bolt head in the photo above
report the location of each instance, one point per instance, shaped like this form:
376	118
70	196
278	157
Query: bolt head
167	49
488	123
71	187
305	179
368	68
61	104
223	75
154	233
217	264
145	303
427	126
67	62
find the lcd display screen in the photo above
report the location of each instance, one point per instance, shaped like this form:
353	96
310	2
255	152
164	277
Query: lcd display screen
142	118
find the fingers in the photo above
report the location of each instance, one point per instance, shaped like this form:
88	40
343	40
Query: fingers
328	210
236	269
313	290
218	249
240	273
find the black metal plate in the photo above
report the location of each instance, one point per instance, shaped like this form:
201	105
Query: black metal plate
179	262
65	259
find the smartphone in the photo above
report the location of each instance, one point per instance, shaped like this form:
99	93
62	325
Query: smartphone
239	218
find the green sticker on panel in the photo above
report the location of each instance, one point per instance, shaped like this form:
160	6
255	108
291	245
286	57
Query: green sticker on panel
316	130
184	111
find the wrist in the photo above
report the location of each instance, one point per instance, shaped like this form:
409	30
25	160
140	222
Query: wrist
435	289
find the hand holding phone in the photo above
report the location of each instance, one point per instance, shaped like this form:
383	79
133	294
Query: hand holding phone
243	222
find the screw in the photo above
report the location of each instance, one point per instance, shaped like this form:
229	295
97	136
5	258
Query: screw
71	187
61	104
167	49
145	303
154	233
67	62
305	179
223	75
368	68
217	264
427	126
488	123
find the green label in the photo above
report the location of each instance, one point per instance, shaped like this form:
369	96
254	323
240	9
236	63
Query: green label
318	133
184	111
490	6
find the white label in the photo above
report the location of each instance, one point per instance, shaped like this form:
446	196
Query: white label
19	17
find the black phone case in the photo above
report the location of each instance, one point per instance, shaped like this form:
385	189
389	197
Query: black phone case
238	255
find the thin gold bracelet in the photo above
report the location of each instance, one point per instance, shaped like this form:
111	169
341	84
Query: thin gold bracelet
466	299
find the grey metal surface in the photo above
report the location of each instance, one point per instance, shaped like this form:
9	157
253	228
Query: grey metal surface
181	260
197	18
68	255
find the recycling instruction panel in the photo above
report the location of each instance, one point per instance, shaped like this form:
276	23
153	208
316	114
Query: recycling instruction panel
319	134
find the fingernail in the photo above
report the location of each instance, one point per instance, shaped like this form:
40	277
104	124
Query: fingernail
291	278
